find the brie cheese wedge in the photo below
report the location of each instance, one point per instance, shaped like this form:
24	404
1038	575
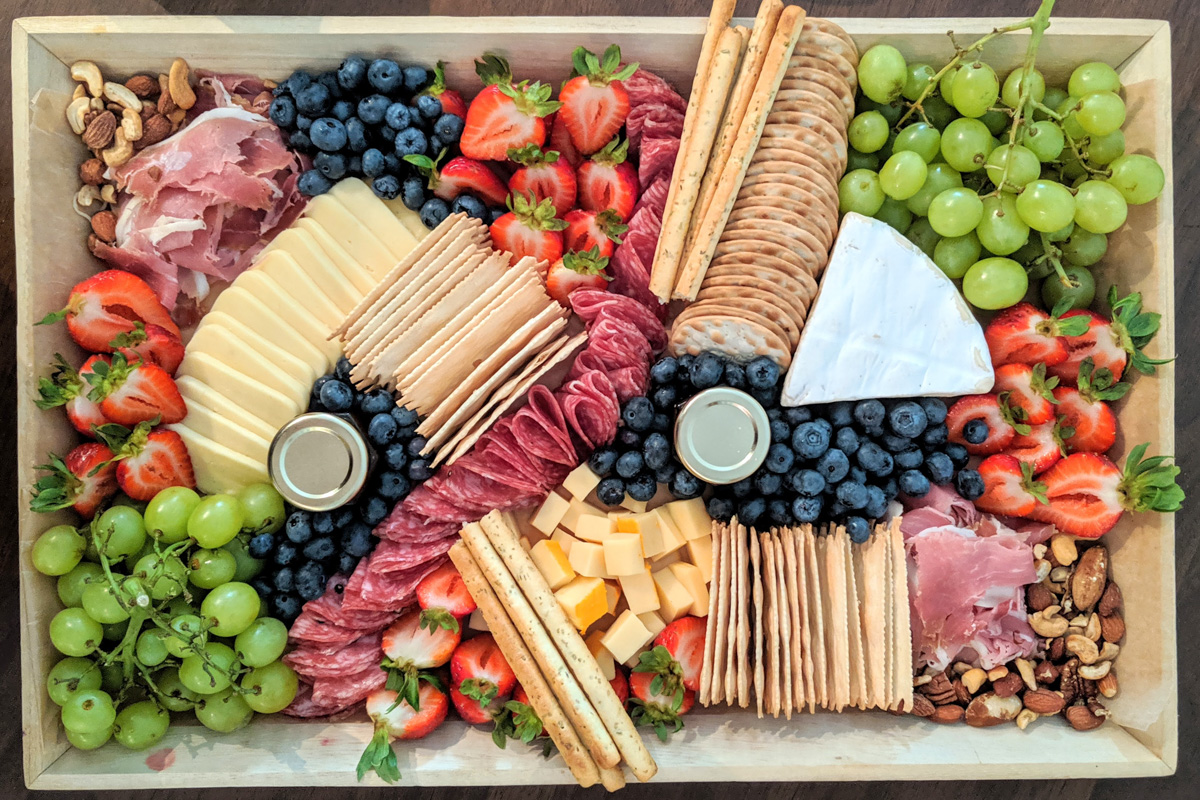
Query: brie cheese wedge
886	322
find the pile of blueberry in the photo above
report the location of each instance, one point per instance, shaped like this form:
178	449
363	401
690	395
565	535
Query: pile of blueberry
316	545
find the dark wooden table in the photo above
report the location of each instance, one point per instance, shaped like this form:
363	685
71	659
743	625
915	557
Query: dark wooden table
1186	33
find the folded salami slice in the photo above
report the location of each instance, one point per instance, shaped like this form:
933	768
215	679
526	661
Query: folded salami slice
589	414
307	629
589	303
348	689
330	608
392	591
655	197
311	663
653	121
645	87
491	464
658	158
629	381
392	556
542	430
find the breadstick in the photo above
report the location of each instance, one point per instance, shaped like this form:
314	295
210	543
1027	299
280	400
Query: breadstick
709	232
574	703
598	690
541	698
613	779
663	271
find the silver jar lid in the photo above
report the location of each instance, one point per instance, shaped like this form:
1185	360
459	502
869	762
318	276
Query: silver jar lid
319	461
722	435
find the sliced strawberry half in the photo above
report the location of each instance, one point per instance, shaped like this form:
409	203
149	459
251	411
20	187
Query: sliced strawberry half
1028	391
608	181
151	343
594	102
148	460
443	598
394	718
561	142
590	229
656	706
989	409
1086	412
1024	334
83	480
504	115
459	175
108	304
576	271
479	659
133	392
1041	447
1009	487
1111	344
529	229
543	174
684	640
411	648
67	388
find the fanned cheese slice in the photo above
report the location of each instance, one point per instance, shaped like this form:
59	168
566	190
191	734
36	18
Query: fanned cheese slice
886	322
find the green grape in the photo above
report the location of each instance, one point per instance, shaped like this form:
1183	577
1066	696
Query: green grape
224	712
1023	166
186	627
172	694
1138	178
856	160
1084	248
1045	140
112	678
71	585
74	633
1101	113
1011	94
966	144
70	676
122	499
1072	169
101	603
195	674
886	151
248	567
1062	233
231	608
922	234
1053	99
1094	76
151	647
211	568
919	77
938	111
261	643
167	514
58	550
995	283
1103	150
882	73
141	725
89	741
91	553
939	177
216	520
115	631
1001	230
867	133
271	688
1099	207
178	606
1069	122
903	175
860	191
995	121
1046	206
120	531
956	253
894	213
1079	295
976	89
89	711
891	111
955	212
263	506
921	138
166	577
146	549
1029	252
946	85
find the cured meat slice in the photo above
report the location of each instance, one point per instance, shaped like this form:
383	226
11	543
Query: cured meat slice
393	591
392	556
644	87
406	525
618	343
588	411
657	158
629	381
643	239
312	663
655	196
346	690
653	121
490	464
330	609
542	430
589	303
307	629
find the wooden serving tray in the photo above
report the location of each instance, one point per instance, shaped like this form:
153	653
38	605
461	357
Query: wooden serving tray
717	744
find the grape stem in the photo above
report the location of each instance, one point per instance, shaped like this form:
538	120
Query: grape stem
1053	254
1079	157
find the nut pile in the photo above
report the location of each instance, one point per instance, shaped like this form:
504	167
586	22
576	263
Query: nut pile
1076	611
114	121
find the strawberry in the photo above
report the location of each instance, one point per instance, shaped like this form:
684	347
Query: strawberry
443	598
477	703
1028	391
588	229
410	651
452	101
1087	493
1085	409
151	343
560	141
107	304
479	660
1024	334
654	706
543	174
659	683
594	102
684	640
529	228
460	175
520	722
68	388
1111	344
148	461
1009	487
133	392
608	181
1000	420
83	481
620	685
396	719
504	115
1042	447
576	271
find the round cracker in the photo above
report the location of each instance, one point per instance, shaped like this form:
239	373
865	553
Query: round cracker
800	152
782	185
835	150
740	339
810	218
795	297
761	316
760	270
733	248
793	163
824	66
769	308
842	64
801	76
795	194
833	29
800	206
785	234
807	119
813	89
716	287
812	103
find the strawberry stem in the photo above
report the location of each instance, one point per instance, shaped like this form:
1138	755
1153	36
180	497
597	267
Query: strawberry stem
379	756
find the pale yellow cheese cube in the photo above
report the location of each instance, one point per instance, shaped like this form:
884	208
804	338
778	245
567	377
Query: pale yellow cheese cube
575	511
599	652
639	592
690	517
666	559
564	540
692	579
612	595
636	506
477	622
674	600
583	600
653	542
587	559
552	562
623	554
551	513
581	481
653	622
594	529
626	636
625	523
672	539
699	552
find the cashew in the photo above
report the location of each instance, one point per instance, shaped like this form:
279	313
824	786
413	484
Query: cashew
1025	667
120	94
1094	672
960	668
1025	717
1092	629
973	679
1039	550
75	114
921	680
996	673
97	104
1079	621
80	91
1060	574
1083	648
1064	549
1109	651
88	73
131	124
1043	569
1048	623
120	152
108	193
181	91
87	195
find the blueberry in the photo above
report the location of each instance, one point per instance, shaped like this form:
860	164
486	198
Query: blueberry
351	73
470	205
912	458
298	81
419	470
742	488
411	142
416	78
354	165
284	580
343	110
656	450
319	549
841	413
495	213
434	212
386	133
638	414
857	474
611	491
398	116
684	361
766	397
837	510
780	458
310	581
706	370
907	419
264	586
780	431
685	485
395	456
629	438
346	563
774	414
811	439
852	495
642	487
602	460
913	483
721	508
356	135
322	523
664	370
663	397
282	111
662	423
372	163
412	192
934	408
260	546
895	444
935	436
797	416
381	429
298	527
869	413
939	468
384	75
376	401
448	128
285	607
958	454
313	183
833	466
313	100
429	107
877	502
875	460
630	464
749	511
808	482
891	488
767	483
303	122
331	165
857	529
285	553
405	417
762	373
666	472
779	512
969	484
342	369
975	432
299	141
342	517
357	539
846	440
735	375
329	81
394	164
337	396
375	510
807	509
373	108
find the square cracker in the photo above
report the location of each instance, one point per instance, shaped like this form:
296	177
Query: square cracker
743	639
816	617
710	629
869	584
858	666
793	573
761	691
787	669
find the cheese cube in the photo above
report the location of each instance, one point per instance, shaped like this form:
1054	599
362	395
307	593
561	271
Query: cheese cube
636	506
666	559
551	513
623	554
581	481
583	600
626	636
587	559
612	595
690	517
672	538
674	600
699	552
692	579
649	525
552	562
599	652
639	591
594	529
625	523
653	622
564	540
575	510
477	622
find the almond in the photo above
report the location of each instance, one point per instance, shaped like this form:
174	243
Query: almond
1111	601
104	224
1086	718
142	85
1112	628
165	104
1087	584
99	132
1108	685
154	130
922	706
1008	686
1070	684
1044	702
1045	673
91	172
948	715
1038	597
989	709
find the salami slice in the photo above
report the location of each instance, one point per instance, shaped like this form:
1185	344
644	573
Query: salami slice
392	556
657	158
588	412
407	524
330	609
644	87
347	689
355	657
588	304
653	121
309	630
541	428
629	381
393	591
490	464
655	196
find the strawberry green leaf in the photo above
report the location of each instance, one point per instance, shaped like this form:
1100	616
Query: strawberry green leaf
492	69
1148	484
434	618
481	690
130	338
53	317
405	682
380	757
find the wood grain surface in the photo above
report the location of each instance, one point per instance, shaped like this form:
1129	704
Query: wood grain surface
1184	17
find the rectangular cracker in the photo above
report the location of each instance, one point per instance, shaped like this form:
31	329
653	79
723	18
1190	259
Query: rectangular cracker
837	632
869	578
889	624
761	691
786	666
793	585
858	665
710	628
903	629
743	640
736	531
770	623
816	618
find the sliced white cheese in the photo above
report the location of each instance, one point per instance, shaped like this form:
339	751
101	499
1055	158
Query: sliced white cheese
246	382
313	316
357	238
307	241
197	394
291	353
360	201
219	469
887	322
234	435
320	279
410	219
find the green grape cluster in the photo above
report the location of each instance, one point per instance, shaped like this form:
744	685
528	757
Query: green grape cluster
999	182
159	618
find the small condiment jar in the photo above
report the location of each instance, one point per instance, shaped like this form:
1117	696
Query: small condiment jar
722	435
319	461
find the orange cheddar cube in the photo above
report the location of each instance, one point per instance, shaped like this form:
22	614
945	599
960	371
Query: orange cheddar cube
552	562
583	600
